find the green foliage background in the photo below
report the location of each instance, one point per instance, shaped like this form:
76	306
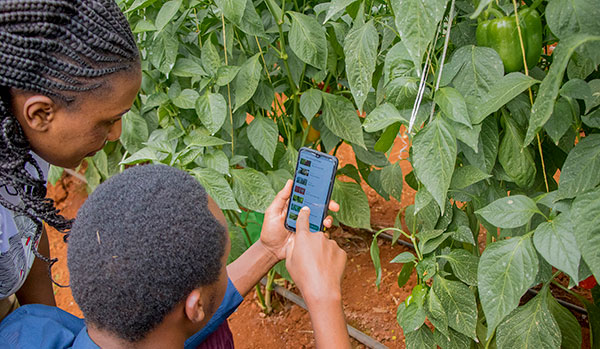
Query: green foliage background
485	145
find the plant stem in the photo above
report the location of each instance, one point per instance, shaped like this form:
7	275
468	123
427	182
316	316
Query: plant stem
228	88
261	298
269	290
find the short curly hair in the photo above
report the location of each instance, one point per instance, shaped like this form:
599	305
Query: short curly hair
141	243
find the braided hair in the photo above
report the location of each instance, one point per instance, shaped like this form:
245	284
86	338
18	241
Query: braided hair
57	48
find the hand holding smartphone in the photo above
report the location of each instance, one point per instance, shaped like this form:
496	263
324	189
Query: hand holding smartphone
313	185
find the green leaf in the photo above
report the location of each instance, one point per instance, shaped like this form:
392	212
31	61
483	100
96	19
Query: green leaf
398	63
252	189
436	313
506	270
463	234
92	177
567	17
576	88
410	317
211	108
101	163
420	339
459	302
593	100
453	105
386	141
401	92
556	242
54	174
350	171
186	99
405	273
580	171
585	215
509	212
263	135
232	9
307	40
211	61
416	22
467	175
139	4
468	136
435	151
518	161
335	7
310	103
487	147
167	11
464	265
251	22
374	251
354	205
472	70
186	67
592	119
561	119
570	329
142	155
391	180
360	49
339	115
381	117
500	93
278	178
530	326
544	102
134	131
201	139
218	161
454	340
246	81
226	74
217	187
404	257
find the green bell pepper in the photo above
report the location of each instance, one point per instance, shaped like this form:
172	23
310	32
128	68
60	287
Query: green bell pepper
502	35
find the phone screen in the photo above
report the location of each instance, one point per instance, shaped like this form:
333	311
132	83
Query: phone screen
313	182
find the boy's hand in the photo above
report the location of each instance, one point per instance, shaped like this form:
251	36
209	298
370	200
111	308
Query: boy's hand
315	263
274	236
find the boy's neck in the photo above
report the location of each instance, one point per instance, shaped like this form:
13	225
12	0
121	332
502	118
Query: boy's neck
163	336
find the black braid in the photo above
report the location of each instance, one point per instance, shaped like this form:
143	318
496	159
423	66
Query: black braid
56	48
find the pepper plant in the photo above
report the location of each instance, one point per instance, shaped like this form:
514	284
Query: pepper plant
491	218
232	89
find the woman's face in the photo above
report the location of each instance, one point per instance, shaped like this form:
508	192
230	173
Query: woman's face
65	135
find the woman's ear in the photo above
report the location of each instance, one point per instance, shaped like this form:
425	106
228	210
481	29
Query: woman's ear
194	307
36	112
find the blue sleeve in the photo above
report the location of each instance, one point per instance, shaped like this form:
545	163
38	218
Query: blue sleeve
39	326
229	304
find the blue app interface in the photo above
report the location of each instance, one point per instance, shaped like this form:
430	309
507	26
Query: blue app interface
311	187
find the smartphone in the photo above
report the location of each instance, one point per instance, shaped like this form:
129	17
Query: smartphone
313	185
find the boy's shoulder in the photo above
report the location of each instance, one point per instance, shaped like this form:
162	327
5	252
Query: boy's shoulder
42	326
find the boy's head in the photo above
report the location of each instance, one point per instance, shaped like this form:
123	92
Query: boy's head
146	244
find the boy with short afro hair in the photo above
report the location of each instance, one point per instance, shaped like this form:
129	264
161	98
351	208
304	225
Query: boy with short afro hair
147	259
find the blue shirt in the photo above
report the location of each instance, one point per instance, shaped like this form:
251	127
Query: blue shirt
42	326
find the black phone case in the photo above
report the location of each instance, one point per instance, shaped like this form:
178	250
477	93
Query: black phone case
329	192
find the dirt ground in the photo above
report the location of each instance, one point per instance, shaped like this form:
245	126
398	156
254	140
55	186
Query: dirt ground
370	310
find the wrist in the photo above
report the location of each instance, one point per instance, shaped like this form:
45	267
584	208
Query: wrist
268	253
328	297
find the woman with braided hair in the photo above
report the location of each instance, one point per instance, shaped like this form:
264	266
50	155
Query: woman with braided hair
69	70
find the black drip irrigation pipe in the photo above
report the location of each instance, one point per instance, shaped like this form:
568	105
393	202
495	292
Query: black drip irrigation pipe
530	291
353	332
